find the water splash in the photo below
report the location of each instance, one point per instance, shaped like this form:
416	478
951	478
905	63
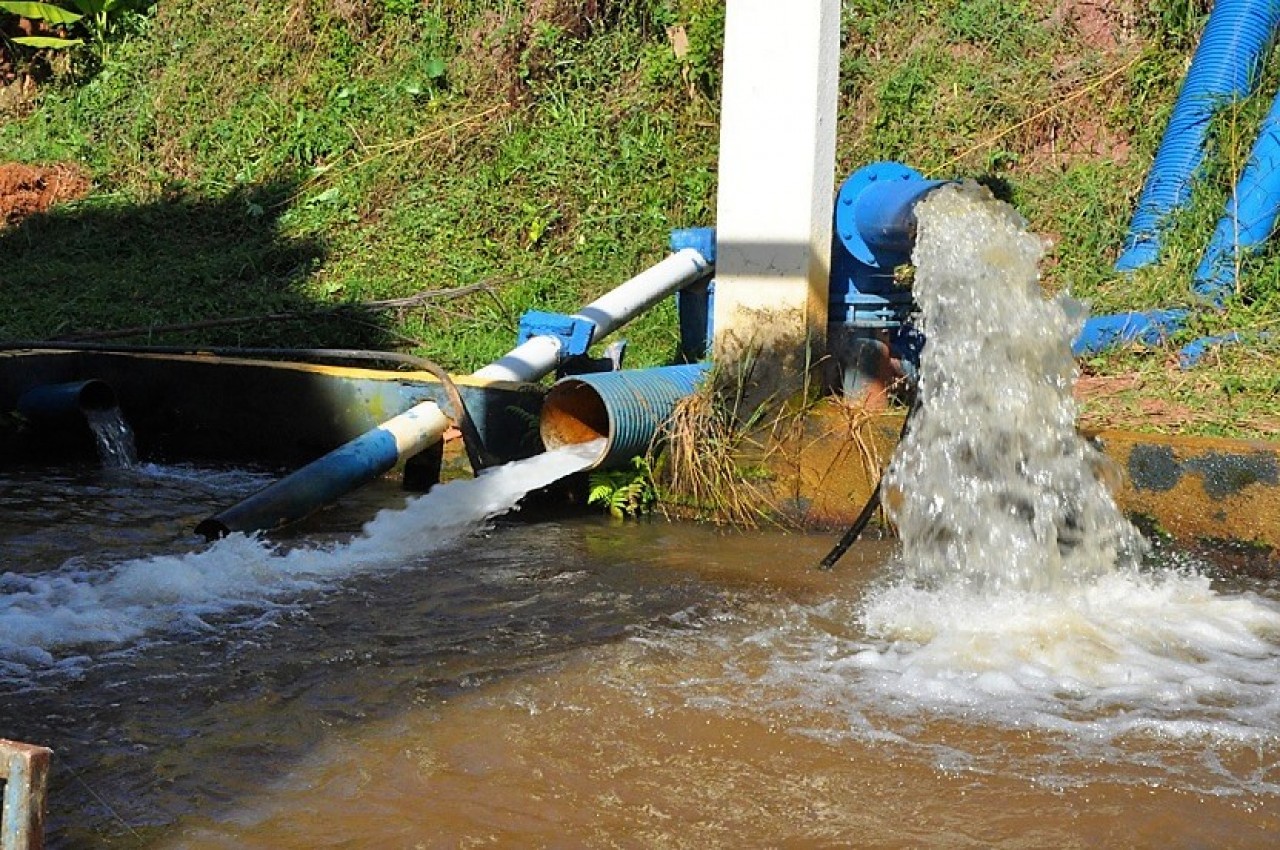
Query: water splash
48	614
1020	593
995	489
114	438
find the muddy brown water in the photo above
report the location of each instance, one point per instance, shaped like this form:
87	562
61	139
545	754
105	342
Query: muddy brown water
569	683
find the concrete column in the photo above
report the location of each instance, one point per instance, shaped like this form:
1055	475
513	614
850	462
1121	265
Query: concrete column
777	183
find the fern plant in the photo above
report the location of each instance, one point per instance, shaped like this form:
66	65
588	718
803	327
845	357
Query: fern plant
624	492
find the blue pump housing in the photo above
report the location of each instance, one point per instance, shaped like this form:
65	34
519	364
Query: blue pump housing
869	313
875	229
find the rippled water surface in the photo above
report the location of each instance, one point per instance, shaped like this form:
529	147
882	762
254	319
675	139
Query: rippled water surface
575	683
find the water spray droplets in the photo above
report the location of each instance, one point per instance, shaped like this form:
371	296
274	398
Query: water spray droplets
993	489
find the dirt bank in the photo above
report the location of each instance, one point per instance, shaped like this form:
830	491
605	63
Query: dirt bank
28	189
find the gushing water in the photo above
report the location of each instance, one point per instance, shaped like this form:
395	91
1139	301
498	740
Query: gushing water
1021	592
59	613
114	438
995	489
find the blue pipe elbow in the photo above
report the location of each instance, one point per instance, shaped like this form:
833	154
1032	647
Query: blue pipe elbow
1152	327
875	217
1225	68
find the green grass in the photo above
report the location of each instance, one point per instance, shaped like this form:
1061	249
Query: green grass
317	160
265	158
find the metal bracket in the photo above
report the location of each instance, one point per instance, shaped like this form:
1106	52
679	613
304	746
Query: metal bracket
700	239
574	332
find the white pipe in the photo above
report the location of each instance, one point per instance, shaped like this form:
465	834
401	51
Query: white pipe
369	455
538	356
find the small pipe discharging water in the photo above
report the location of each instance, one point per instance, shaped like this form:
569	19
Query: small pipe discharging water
96	401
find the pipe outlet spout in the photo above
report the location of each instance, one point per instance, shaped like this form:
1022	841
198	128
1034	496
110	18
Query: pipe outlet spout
55	401
875	212
626	409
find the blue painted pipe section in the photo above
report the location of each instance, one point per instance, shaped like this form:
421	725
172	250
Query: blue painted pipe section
1191	353
1152	327
1250	216
695	303
625	408
54	401
325	480
1225	68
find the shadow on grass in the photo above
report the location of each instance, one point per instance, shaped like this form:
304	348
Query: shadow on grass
186	259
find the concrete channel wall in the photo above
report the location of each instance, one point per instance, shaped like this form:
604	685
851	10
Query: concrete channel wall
822	467
816	470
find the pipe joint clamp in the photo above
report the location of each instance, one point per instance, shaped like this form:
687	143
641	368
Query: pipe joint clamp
574	332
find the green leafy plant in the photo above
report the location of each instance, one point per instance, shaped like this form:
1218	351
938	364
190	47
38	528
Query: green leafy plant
624	492
103	20
49	14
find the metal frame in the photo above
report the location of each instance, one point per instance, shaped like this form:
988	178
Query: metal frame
26	775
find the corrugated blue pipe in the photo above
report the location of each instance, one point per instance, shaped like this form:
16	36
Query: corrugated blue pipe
1224	68
1149	328
625	408
1249	218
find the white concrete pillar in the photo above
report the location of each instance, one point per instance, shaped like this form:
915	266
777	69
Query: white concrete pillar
777	184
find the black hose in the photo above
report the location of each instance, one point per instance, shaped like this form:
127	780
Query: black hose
869	509
305	355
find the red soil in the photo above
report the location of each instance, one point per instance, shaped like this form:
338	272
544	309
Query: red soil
29	189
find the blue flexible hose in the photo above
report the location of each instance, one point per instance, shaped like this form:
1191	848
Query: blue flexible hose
1224	68
1249	218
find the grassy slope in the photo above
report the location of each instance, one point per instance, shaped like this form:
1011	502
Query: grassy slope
252	158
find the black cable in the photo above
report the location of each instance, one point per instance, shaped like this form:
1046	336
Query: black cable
312	355
869	509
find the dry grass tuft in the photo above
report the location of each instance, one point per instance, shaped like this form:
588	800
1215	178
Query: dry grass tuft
700	471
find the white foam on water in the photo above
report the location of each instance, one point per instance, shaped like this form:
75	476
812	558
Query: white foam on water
1020	597
46	614
1126	651
1132	679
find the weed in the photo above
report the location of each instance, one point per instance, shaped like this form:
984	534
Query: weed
699	471
625	492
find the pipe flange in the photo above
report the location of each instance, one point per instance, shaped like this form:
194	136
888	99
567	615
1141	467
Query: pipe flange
848	230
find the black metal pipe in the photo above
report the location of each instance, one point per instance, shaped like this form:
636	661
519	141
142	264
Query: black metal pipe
52	401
